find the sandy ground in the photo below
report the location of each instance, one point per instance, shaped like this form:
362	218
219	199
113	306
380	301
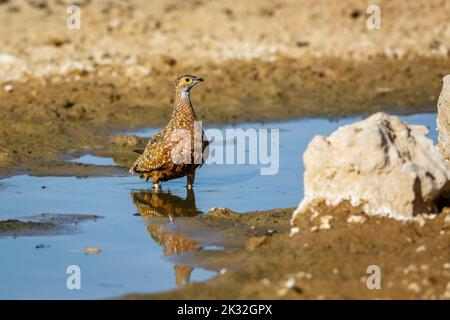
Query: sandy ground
66	92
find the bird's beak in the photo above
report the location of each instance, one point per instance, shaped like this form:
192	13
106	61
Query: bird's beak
199	80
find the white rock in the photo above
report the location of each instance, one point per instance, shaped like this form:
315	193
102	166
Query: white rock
290	283
325	222
356	219
443	120
380	163
294	231
8	88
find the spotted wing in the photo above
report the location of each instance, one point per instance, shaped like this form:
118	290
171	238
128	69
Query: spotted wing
153	156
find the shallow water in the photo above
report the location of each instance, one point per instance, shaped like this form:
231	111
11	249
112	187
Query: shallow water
134	255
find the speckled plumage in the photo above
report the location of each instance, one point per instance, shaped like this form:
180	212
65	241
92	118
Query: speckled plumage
156	161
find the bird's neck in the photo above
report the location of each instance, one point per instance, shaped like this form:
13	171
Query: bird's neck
183	103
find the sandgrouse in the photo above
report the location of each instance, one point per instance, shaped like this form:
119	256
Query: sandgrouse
179	148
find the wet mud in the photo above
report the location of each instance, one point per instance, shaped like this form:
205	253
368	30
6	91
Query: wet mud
43	225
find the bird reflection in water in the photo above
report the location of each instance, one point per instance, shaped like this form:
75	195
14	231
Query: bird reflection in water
153	207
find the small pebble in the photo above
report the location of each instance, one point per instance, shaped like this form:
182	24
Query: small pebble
223	271
294	231
413	286
282	292
8	88
290	283
421	248
420	220
92	250
325	222
356	219
42	246
114	23
410	268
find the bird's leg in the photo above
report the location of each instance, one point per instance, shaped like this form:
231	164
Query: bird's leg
190	180
156	187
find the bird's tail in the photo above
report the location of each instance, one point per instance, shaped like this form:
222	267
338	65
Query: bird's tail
133	168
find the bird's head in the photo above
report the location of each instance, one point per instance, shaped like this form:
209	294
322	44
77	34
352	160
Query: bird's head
185	83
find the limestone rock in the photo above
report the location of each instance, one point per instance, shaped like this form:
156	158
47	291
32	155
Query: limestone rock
443	121
380	163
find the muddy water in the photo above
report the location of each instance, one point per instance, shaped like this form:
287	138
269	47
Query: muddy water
136	251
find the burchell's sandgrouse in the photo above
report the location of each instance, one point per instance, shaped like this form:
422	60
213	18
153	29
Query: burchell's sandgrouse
179	148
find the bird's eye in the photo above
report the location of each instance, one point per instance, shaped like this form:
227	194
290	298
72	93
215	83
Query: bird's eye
187	80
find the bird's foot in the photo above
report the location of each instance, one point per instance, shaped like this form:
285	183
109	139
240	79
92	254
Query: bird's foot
156	187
